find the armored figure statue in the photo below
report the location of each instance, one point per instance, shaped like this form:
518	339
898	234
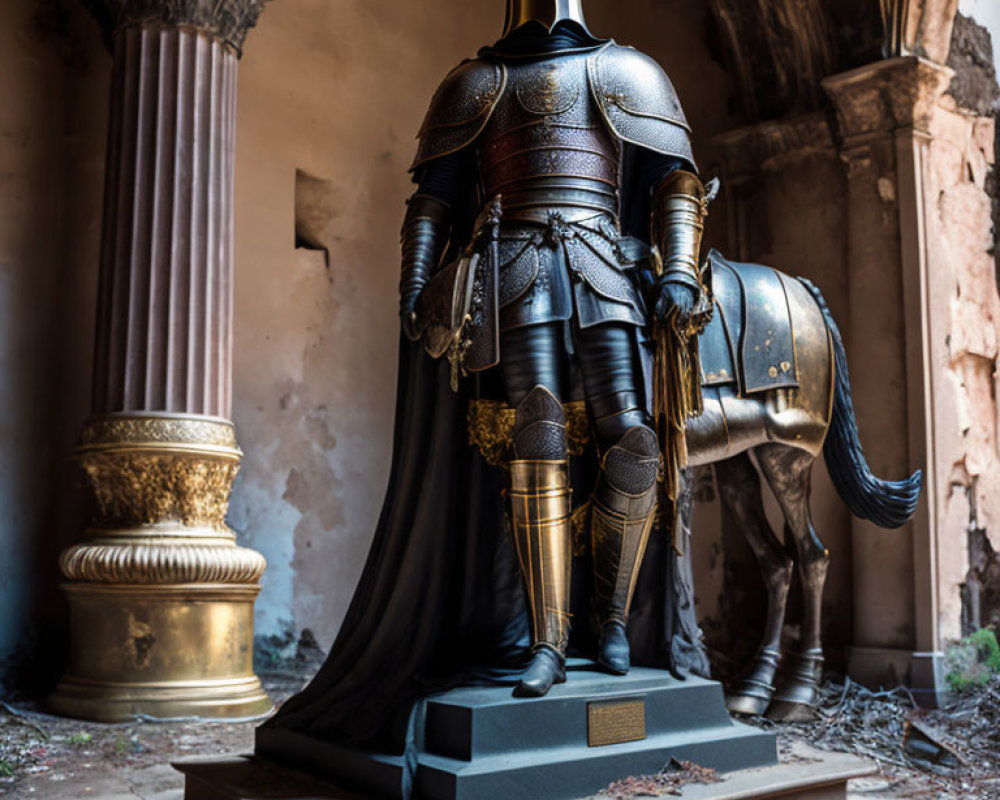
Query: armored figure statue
552	238
556	126
551	252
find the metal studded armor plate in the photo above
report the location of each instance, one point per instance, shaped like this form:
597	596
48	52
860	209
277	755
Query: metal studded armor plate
548	135
547	152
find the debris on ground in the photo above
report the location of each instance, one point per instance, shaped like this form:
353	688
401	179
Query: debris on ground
43	755
952	752
925	742
947	754
668	781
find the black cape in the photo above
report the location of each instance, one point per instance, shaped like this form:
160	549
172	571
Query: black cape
440	600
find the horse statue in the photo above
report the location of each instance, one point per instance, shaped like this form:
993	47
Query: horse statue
775	384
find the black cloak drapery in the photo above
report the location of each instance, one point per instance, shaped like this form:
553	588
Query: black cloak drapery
440	600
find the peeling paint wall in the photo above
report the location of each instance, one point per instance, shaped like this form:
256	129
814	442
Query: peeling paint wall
330	98
965	324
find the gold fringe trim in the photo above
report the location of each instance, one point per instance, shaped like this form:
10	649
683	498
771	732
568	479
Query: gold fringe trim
677	397
677	392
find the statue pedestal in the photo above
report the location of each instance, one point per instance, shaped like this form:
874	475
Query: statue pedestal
480	743
248	778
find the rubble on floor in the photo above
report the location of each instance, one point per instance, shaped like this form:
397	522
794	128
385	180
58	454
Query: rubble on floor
56	757
951	753
668	782
948	754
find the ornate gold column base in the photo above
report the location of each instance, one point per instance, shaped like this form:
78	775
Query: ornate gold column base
184	650
161	597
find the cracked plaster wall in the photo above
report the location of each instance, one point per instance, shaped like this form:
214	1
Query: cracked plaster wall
965	336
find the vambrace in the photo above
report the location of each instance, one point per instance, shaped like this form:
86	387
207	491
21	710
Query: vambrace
680	206
623	508
424	234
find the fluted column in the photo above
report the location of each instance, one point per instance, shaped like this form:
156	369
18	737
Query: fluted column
161	596
164	336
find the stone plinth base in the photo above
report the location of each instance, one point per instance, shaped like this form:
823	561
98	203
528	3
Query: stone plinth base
483	744
160	651
248	778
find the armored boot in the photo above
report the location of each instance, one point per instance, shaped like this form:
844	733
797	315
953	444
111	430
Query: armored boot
539	497
622	511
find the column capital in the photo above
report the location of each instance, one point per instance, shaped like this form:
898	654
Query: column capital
229	20
887	96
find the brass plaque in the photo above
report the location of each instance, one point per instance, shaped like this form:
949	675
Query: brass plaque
616	721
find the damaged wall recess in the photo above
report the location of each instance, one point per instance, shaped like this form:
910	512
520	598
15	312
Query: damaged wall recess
981	589
315	212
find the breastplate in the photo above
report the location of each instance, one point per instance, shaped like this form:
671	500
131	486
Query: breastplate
546	147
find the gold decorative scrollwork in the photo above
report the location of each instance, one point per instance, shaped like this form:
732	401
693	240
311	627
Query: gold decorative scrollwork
490	424
159	586
146	469
146	488
577	427
579	525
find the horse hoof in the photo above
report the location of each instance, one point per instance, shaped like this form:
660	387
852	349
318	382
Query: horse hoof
791	711
798	688
746	704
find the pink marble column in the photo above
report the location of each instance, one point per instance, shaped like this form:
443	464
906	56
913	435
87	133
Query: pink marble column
164	337
160	594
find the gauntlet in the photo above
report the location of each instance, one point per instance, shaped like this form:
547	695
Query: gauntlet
425	231
680	206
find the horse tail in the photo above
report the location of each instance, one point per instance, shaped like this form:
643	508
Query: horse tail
889	504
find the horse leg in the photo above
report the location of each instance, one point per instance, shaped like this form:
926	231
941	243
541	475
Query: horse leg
740	492
788	471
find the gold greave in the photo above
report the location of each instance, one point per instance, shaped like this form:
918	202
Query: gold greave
680	206
539	498
621	522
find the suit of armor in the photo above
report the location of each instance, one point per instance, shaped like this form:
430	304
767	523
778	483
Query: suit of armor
547	122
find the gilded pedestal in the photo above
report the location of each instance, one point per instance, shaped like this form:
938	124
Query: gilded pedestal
161	597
